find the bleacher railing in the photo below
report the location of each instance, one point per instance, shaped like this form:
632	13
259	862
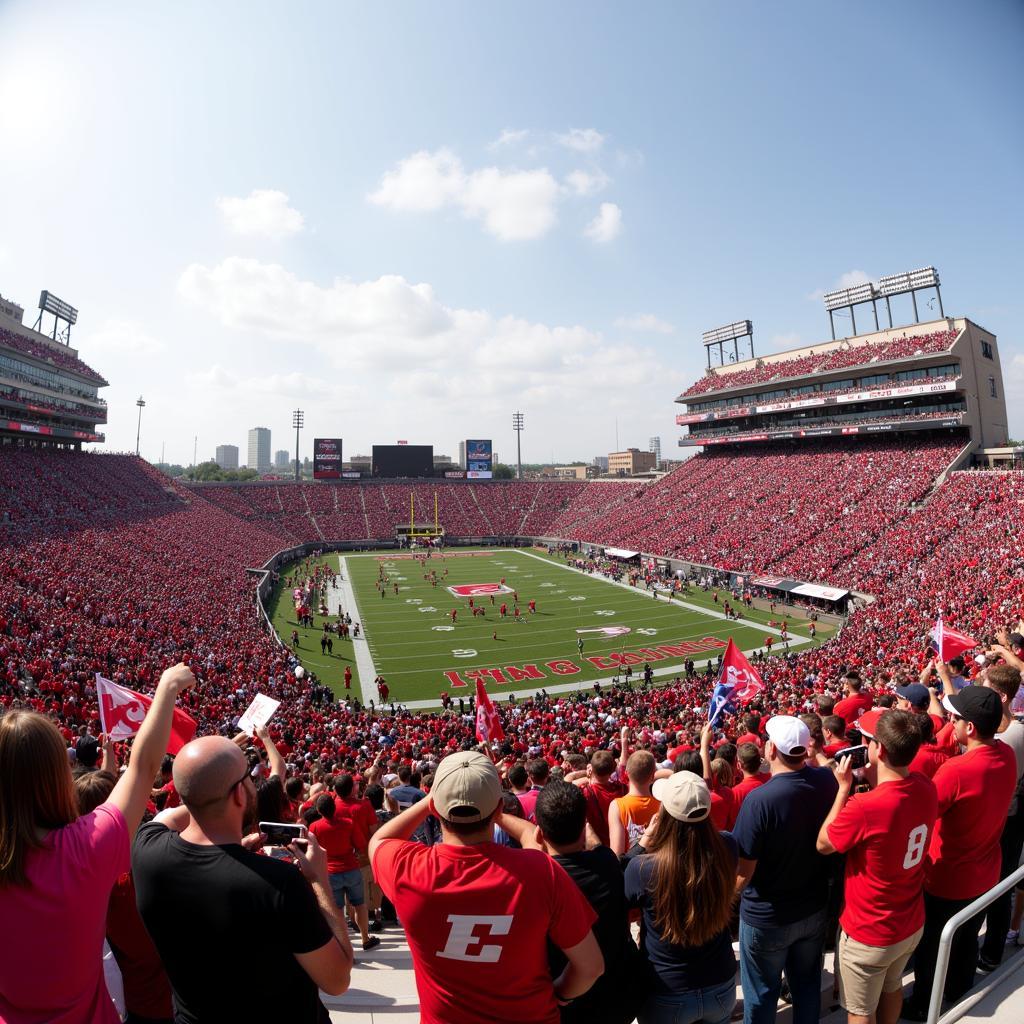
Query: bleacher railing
942	960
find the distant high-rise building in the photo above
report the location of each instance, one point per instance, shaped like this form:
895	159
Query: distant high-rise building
601	462
259	449
630	462
462	455
227	456
282	460
654	445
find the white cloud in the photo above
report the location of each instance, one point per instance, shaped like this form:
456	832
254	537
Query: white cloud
848	280
586	183
423	181
120	338
263	212
606	226
783	342
509	137
513	205
396	341
583	140
644	322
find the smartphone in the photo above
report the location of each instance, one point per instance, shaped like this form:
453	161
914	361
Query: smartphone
280	833
858	756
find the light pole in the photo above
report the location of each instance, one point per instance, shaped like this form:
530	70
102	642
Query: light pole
517	426
141	403
298	418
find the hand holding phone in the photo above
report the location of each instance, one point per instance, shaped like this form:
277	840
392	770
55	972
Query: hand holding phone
858	756
280	833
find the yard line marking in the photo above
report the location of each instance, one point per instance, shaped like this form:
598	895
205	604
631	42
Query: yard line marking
365	668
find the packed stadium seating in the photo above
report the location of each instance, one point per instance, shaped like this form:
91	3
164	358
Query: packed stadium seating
19	343
823	362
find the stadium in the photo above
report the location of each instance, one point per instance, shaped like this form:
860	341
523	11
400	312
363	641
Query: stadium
702	702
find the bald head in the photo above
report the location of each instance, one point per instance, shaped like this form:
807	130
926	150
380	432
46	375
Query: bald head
206	769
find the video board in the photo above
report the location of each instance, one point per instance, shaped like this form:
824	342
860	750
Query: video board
327	458
479	460
406	460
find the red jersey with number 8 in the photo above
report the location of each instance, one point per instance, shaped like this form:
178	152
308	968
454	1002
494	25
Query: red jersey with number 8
885	834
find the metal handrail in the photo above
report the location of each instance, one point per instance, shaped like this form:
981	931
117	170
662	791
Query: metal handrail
946	942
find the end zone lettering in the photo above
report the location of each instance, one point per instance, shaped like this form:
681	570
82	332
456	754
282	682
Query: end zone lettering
479	589
567	667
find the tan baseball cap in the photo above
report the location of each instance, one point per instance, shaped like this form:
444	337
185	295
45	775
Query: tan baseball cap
684	796
466	787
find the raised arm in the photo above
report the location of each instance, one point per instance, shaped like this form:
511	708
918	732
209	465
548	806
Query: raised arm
133	788
402	826
277	765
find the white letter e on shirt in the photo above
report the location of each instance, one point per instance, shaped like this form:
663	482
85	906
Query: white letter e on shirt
461	937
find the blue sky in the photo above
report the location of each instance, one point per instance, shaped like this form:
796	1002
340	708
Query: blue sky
412	219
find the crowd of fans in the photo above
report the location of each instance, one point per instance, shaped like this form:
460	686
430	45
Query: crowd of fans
98	574
824	362
37	403
54	355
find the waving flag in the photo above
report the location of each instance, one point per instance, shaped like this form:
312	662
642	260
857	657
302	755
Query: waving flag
738	684
122	711
948	643
488	724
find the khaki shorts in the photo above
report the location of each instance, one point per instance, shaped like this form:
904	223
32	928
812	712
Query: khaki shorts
865	972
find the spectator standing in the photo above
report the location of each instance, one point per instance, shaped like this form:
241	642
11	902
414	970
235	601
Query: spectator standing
629	815
1005	680
599	789
884	834
749	758
783	879
683	880
478	916
54	862
856	701
964	857
204	894
538	772
560	831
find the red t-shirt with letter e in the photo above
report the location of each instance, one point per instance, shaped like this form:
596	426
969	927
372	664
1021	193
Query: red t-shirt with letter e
974	790
884	834
478	919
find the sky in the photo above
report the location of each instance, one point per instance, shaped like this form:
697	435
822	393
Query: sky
411	220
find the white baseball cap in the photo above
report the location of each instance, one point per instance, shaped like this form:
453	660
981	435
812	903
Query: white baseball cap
790	736
684	796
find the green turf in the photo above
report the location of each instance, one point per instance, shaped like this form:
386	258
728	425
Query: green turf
413	645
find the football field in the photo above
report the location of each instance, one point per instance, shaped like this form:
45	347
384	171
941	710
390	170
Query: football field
411	638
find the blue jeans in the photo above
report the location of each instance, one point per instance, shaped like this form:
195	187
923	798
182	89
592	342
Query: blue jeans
350	884
765	952
712	1005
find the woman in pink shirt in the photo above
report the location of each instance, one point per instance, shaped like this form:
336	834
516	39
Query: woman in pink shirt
57	869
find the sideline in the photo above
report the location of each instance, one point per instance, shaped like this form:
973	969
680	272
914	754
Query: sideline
344	597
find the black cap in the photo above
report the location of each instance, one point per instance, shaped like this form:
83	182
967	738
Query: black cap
977	704
87	751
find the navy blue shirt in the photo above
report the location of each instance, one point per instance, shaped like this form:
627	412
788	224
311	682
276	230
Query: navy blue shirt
406	796
778	827
673	968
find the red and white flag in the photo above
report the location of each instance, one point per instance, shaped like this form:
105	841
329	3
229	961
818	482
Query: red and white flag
949	643
122	711
488	724
739	683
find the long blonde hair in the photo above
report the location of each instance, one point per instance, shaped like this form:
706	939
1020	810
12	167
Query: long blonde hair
36	791
693	883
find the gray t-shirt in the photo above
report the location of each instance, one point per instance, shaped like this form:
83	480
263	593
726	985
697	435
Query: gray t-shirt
1013	737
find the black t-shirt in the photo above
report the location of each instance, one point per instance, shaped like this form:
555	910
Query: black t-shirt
617	994
675	968
226	923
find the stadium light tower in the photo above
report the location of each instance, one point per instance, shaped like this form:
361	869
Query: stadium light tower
517	426
141	403
298	418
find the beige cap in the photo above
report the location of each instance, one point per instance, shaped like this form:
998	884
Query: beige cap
466	787
684	795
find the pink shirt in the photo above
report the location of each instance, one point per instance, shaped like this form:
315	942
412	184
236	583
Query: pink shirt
51	945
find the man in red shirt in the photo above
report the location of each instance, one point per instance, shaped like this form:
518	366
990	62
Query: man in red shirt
599	791
884	834
479	916
855	703
964	856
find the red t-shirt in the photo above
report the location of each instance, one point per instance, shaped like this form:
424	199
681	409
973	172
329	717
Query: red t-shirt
173	800
723	808
974	796
336	837
478	919
363	818
851	708
598	796
748	785
885	835
928	759
528	801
